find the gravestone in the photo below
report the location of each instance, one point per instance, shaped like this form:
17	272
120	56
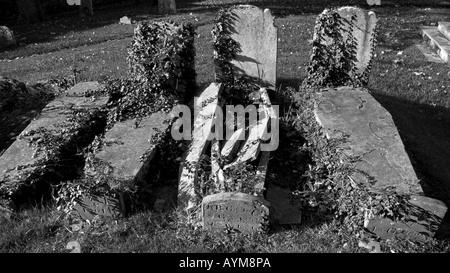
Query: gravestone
254	31
370	134
125	20
371	137
119	159
6	37
167	7
86	8
363	30
25	170
238	211
373	2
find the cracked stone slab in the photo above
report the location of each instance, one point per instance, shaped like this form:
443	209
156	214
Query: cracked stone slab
371	137
370	134
20	162
124	144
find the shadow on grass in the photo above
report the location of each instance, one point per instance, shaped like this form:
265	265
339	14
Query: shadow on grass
425	131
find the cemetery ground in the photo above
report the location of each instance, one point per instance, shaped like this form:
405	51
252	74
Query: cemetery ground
414	90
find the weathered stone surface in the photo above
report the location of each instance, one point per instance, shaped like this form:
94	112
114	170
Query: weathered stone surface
167	7
124	145
240	211
286	209
19	162
105	206
437	41
254	30
209	99
363	30
370	134
6	37
444	28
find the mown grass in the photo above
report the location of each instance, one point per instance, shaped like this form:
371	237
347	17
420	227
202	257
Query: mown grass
96	48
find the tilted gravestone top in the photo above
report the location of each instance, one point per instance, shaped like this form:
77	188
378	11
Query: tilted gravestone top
254	31
167	7
6	37
235	210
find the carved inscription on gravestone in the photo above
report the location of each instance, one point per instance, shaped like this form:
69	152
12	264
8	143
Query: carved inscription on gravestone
240	211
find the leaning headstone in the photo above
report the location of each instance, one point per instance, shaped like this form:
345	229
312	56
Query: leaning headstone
6	37
372	138
42	152
253	30
237	211
167	7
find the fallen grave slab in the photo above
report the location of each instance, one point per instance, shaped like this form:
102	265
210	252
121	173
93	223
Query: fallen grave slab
125	156
371	137
237	211
24	169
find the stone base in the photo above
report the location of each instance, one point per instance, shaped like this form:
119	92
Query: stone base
238	211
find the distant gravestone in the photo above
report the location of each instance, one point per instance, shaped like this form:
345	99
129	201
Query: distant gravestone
6	37
373	2
125	20
254	31
86	8
239	211
167	7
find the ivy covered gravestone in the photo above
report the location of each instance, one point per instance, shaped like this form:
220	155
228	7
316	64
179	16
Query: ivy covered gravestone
245	43
343	47
162	75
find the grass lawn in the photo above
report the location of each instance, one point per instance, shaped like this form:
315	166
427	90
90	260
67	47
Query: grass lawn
414	91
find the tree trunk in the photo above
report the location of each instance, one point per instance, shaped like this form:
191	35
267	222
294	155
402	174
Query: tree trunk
30	11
